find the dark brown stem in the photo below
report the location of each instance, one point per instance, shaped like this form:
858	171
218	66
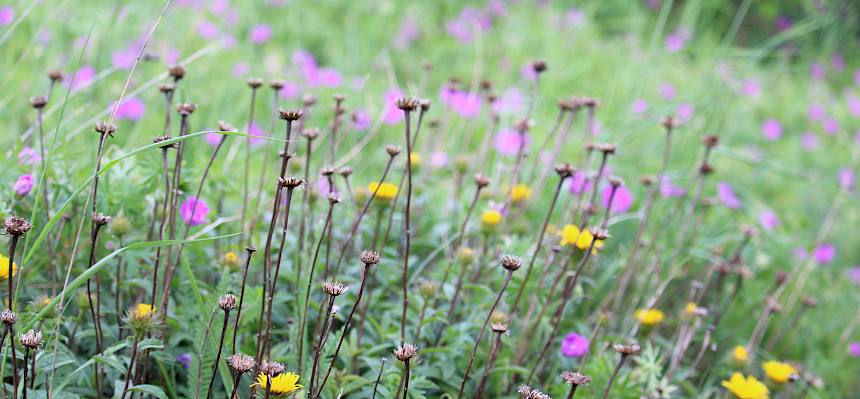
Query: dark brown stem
11	335
310	281
489	366
378	377
320	342
162	224
128	371
249	251
278	266
586	211
218	355
614	374
26	356
235	385
248	161
405	378
408	232
572	391
13	243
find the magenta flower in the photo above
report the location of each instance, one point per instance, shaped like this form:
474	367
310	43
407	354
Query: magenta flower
667	91
407	33
438	159
207	30
575	17
824	253
639	106
391	114
830	126
213	139
816	112
131	109
853	104
82	78
23	185
854	349
783	23
124	59
510	102
837	61
170	56
684	112
527	72
854	274
771	129
768	219
675	42
194	211
817	72
751	88
466	104
846	178
261	33
622	201
809	141
240	69
290	91
7	15
508	142
361	120
227	41
255	130
726	195
323	187
29	156
574	345
327	77
579	183
669	190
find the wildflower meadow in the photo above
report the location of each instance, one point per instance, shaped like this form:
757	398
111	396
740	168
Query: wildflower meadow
429	199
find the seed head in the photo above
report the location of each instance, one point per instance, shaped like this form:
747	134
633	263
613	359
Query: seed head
711	141
55	75
227	302
575	378
310	133
166	88
254	83
242	363
308	100
424	104
290	115
810	301
185	109
539	66
500	328
8	317
345	171
523	126
570	104
527	392
225	127
405	352
647	180
31	339
481	180
327	170
176	71
369	257
101	219
334	288
271	369
406	103
333	198
290	182
606	148
276	85
599	234
104	128
17	226
627	349
669	122
38	102
158	139
392	150
486	85
615	181
589	102
564	170
511	262
706	168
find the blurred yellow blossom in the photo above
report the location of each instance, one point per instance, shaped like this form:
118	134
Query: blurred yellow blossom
650	317
387	191
4	267
491	217
739	354
746	387
778	371
520	192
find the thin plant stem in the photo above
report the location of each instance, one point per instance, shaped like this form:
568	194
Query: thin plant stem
249	251
408	227
320	342
614	375
378	377
248	161
489	366
130	368
218	355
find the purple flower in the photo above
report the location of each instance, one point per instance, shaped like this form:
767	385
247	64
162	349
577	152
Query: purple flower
621	202
768	219
799	253
438	159
124	59
771	129
669	190
131	109
853	104
684	112
510	102
213	139
527	72
466	104
846	178
675	42
575	17
290	91
184	359
857	77
854	274
574	345
727	196
261	33
824	253
323	187
391	114
361	120
82	78
228	41
854	349
7	15
194	211
470	20
29	156
830	126
240	69
783	23
255	130
407	33
816	71
809	141
579	183
837	61
23	185
751	88
508	142
667	91
328	77
816	112
639	106
207	30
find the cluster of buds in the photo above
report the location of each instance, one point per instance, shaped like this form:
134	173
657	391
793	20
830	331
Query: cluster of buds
17	226
227	302
271	368
31	339
242	363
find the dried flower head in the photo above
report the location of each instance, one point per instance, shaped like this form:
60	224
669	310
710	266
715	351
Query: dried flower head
627	349
227	302
254	83
310	133
392	150
407	104
166	88
333	198
527	392
290	115
271	368
539	66
176	71
711	141
276	85
38	101
31	339
589	102
606	148
780	277
564	170
242	363
55	75
226	127
500	328
570	104
669	122
615	181
405	352
344	171
101	219
511	262
647	180
575	378
8	317
290	182
706	168
327	170
424	104
369	257
334	288
523	125
481	180
308	100
17	226
185	109
103	127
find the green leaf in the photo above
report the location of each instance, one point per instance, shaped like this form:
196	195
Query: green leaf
151	390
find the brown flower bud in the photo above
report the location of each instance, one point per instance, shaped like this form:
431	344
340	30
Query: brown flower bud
511	262
481	180
166	88
606	148
276	85
405	352
711	141
17	226
334	288
271	369
369	257
101	219
290	115
669	122
38	102
227	302
185	109
104	128
575	378
254	83
627	349
539	66
31	339
55	75
406	103
564	170
176	71
345	171
392	150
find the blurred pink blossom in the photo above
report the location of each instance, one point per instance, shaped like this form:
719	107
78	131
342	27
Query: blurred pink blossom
575	17
853	104
391	114
29	156
194	211
361	120
816	112
817	72
438	159
726	195
574	345
809	141
846	178
261	33
824	253
771	129
854	274
527	72
207	30
508	142
24	184
667	91
830	126
290	91
407	33
579	183
854	349
837	61
675	42
751	88
7	15
684	112
669	190
240	69
768	219
131	109
622	201
783	23
83	78
639	106
511	101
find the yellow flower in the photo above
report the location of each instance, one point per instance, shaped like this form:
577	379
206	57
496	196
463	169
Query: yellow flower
4	267
282	384
746	388
569	234
583	242
231	259
387	191
144	311
778	371
491	217
415	159
739	354
691	308
520	192
650	317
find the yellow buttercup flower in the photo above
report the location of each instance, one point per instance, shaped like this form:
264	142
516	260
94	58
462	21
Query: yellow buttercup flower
520	192
583	242
144	311
569	234
387	191
4	267
282	384
778	371
231	259
691	308
415	159
740	354
491	217
650	317
746	387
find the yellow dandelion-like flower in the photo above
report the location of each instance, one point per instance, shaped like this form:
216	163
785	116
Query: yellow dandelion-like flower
650	317
144	311
231	259
778	371
569	234
4	267
583	242
691	308
387	191
282	384
415	159
520	192
746	387
491	217
740	354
